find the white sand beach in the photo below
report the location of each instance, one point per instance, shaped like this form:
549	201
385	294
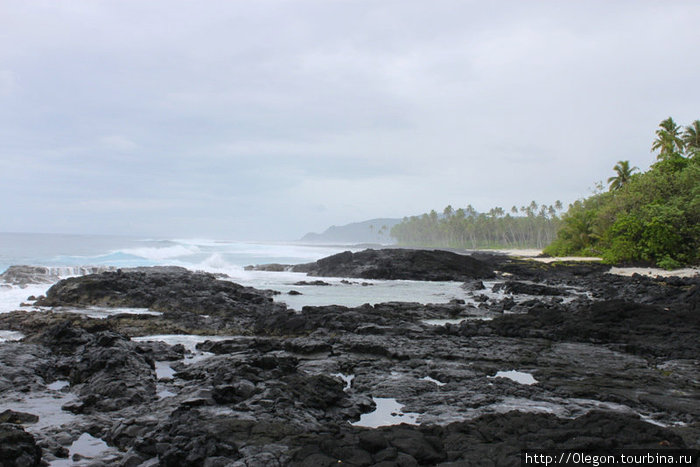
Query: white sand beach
532	254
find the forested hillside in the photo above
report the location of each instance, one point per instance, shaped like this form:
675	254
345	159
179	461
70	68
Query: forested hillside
370	231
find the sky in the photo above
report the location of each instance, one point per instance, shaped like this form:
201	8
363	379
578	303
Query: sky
267	119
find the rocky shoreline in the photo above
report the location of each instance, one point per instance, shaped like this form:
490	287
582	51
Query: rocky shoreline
559	355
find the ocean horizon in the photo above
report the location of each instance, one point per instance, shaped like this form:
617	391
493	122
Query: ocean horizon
44	249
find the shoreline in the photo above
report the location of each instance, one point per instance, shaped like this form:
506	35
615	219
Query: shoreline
517	352
533	255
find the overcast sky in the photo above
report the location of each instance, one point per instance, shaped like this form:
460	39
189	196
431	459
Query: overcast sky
266	119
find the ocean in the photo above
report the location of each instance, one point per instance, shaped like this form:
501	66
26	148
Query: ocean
68	254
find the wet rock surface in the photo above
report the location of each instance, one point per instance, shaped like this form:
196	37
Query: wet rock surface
23	275
188	300
17	447
168	289
558	357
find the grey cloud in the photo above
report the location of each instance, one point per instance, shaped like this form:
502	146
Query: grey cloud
242	116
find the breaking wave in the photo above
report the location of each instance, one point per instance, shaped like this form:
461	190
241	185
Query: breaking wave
160	254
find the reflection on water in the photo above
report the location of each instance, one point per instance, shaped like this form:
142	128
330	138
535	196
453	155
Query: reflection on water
388	412
517	376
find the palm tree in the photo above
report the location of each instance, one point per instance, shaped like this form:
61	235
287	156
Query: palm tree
624	173
691	138
668	139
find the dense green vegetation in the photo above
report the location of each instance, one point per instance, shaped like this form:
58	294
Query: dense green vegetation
532	226
651	217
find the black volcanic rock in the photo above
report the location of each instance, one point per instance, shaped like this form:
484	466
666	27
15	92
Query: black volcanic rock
319	282
425	265
106	369
271	267
17	447
170	290
63	338
286	388
18	418
641	329
515	287
473	285
494	439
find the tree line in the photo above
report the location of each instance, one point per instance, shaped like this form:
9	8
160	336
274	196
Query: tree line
650	217
530	226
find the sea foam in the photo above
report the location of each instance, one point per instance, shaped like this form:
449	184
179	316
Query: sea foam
159	254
